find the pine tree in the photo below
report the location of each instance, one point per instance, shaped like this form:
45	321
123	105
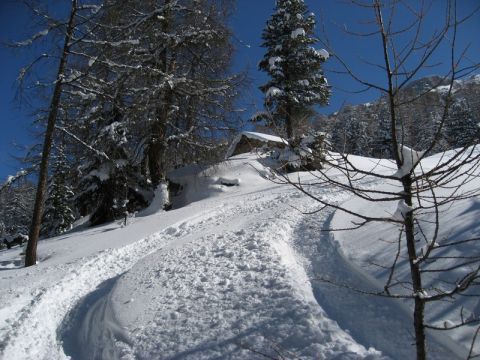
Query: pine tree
146	88
382	136
294	66
16	208
58	215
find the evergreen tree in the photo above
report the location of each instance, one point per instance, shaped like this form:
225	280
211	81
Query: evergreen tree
160	78
111	182
356	136
295	67
155	95
58	215
16	207
382	136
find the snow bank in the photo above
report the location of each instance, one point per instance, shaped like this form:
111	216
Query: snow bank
160	199
240	173
378	243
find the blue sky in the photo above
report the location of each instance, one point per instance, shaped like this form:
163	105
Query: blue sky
247	23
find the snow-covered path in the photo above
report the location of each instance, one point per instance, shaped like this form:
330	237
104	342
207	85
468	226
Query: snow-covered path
232	287
228	277
42	296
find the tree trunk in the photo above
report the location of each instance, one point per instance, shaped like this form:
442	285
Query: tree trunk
156	153
418	314
288	122
31	252
157	146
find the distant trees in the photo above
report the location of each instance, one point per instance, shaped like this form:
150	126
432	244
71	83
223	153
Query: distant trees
462	127
349	134
294	66
16	207
423	101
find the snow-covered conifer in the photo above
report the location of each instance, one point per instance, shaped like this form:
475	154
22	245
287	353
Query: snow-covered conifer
295	67
16	207
168	61
111	182
58	215
381	134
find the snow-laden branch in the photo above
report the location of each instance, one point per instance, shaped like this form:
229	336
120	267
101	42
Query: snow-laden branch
12	179
89	147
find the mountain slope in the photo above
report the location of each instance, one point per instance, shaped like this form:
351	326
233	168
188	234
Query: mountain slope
364	129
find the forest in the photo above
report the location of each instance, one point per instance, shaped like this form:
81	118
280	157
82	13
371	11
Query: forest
138	91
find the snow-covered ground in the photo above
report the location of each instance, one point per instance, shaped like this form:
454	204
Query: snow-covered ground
231	274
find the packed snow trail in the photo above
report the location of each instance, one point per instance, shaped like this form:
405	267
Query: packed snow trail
72	265
43	314
233	289
48	306
242	286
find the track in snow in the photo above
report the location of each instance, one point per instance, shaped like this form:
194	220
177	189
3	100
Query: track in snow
41	317
225	291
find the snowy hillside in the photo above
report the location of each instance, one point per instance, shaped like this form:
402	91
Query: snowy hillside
230	273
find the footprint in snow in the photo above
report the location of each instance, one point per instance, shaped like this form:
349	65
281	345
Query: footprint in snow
171	230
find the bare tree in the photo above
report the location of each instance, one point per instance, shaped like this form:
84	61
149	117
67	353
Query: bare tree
31	252
79	15
437	271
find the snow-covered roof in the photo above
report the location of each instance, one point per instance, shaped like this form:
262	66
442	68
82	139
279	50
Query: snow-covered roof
255	136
